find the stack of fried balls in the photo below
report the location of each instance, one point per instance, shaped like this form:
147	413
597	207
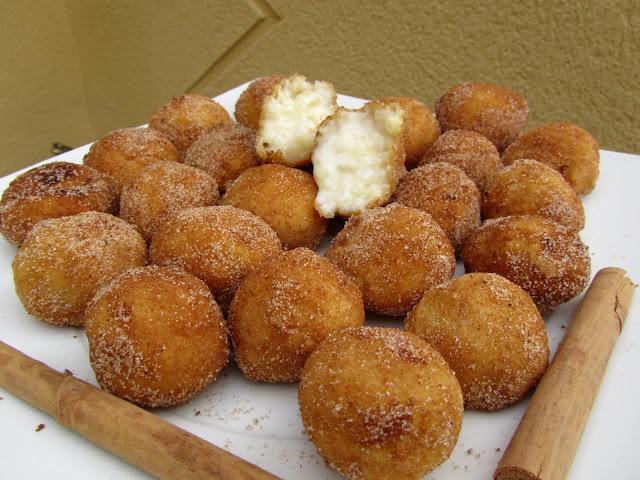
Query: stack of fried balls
176	244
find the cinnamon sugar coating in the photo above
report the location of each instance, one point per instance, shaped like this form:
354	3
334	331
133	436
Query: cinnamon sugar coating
249	105
156	336
162	190
471	152
224	152
64	261
421	128
283	310
186	118
544	258
124	153
531	187
447	194
57	189
380	403
394	254
493	111
490	333
563	146
219	245
284	198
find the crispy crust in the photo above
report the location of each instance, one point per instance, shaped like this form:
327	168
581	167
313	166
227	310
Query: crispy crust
57	189
563	146
249	105
489	109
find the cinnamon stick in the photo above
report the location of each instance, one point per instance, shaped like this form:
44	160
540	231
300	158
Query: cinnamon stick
547	438
138	436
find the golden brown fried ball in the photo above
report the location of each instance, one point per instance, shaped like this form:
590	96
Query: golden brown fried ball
283	310
420	129
186	118
224	152
546	259
394	254
64	261
57	189
156	336
491	110
380	404
163	189
249	104
531	187
219	245
564	147
447	194
123	154
471	152
284	198
490	333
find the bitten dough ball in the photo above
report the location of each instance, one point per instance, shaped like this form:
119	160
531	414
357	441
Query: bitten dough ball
123	154
355	175
57	189
284	198
471	152
394	254
64	261
249	105
224	152
544	258
564	147
219	245
447	194
163	189
490	333
283	310
380	404
186	118
290	117
421	128
531	187
156	336
489	109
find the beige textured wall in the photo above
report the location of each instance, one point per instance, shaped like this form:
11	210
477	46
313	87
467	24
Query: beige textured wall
573	60
41	90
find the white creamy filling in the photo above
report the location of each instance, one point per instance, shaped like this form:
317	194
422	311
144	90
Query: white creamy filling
352	159
291	115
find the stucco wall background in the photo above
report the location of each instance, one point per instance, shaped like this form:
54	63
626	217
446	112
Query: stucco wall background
74	70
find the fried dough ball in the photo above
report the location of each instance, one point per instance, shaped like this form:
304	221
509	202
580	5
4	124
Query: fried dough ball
219	245
283	197
57	189
224	152
471	152
249	104
490	333
531	187
380	404
283	310
491	110
163	189
64	261
421	128
394	254
564	147
358	159
544	258
186	118
291	115
447	194
156	336
123	154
